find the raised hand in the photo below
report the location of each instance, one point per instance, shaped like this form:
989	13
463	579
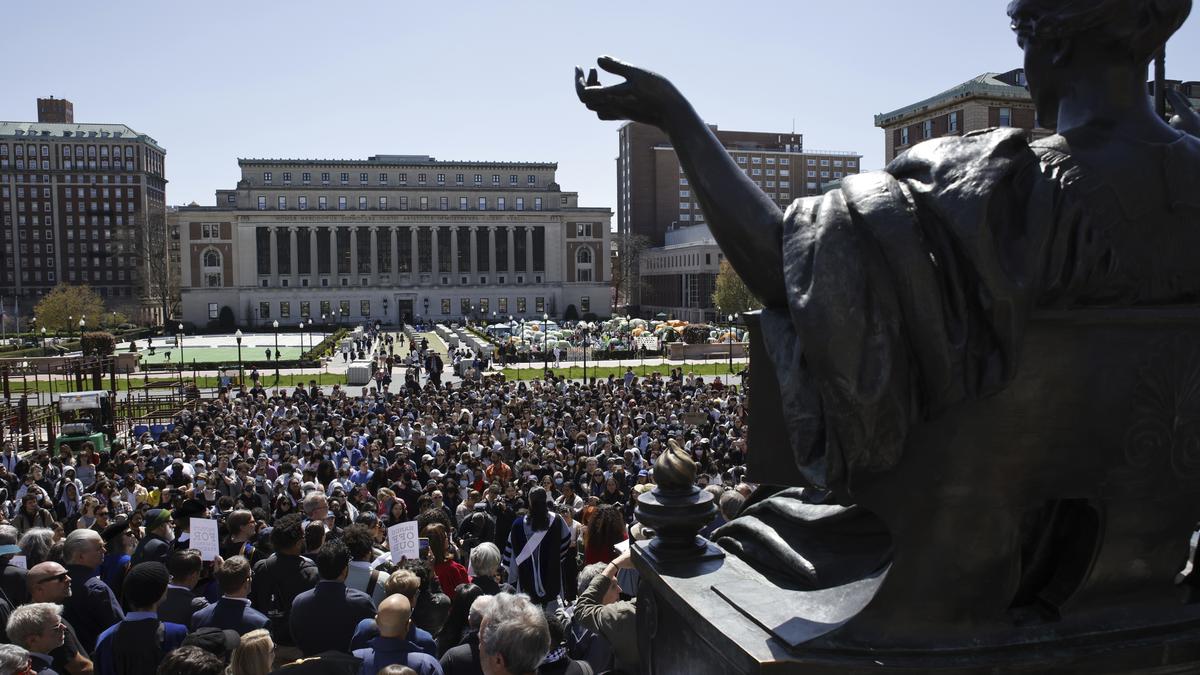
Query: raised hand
643	97
1185	119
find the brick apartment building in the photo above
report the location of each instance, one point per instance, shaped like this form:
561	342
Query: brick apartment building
677	273
989	100
81	204
653	194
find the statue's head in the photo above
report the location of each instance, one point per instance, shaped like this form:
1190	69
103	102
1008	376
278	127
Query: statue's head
1056	34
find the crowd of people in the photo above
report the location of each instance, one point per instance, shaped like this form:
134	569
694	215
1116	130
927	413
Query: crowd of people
523	495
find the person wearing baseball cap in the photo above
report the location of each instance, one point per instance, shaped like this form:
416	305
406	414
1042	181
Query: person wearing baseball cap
156	545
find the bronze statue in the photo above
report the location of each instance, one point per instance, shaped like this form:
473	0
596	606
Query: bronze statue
987	357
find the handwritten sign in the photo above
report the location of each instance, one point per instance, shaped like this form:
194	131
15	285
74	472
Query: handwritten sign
402	540
204	538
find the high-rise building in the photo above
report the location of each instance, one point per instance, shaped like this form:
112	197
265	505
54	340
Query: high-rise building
653	195
81	204
391	238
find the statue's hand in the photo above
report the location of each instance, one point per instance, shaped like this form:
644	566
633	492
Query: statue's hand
1186	118
643	97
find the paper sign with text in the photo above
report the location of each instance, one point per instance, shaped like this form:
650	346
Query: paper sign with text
17	561
403	541
204	538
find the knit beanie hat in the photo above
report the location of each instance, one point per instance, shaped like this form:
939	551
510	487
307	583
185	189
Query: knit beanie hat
145	584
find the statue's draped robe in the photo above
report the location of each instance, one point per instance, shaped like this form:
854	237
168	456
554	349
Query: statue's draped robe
908	293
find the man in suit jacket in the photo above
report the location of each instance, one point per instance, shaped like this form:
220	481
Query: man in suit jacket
324	618
181	603
91	606
233	610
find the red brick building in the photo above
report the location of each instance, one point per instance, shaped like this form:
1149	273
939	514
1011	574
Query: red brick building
81	204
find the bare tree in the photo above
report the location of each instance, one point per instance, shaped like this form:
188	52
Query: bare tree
627	273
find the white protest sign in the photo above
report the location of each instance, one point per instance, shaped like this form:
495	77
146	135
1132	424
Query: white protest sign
204	538
402	540
18	561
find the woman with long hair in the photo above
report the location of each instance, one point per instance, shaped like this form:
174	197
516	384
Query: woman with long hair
605	530
457	626
537	545
450	573
254	655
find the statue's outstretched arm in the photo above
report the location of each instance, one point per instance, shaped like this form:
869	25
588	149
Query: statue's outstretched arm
745	222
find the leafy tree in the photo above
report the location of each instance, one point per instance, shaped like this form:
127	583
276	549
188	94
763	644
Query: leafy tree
731	295
626	273
571	313
63	307
696	333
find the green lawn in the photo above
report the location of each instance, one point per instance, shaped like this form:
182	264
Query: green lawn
576	372
266	377
218	355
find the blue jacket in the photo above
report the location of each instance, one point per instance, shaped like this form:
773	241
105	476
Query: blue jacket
173	635
387	651
367	630
92	606
230	614
323	619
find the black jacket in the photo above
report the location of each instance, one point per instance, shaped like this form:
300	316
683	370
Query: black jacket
152	548
179	605
463	659
324	618
276	583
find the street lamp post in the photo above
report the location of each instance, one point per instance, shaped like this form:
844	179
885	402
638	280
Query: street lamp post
585	346
545	343
275	325
731	344
241	373
45	349
179	338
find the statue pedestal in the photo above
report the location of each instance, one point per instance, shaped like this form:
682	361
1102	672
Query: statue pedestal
718	615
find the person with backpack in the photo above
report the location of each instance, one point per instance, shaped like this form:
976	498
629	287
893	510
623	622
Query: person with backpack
537	545
477	527
280	578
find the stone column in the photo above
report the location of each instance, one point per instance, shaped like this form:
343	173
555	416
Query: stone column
333	255
474	255
509	233
395	255
454	252
314	270
433	251
353	252
294	251
416	268
375	254
492	253
529	250
274	256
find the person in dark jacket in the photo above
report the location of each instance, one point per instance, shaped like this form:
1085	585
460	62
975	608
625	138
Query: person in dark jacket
537	546
36	627
138	643
392	646
50	582
181	601
323	619
408	584
12	578
156	545
558	662
283	576
463	659
233	610
92	606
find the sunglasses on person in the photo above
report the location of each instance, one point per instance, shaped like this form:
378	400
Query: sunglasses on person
57	577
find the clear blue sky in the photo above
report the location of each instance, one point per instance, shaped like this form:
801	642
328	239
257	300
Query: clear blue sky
214	81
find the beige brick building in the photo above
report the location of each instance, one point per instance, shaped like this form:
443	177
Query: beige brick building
393	238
